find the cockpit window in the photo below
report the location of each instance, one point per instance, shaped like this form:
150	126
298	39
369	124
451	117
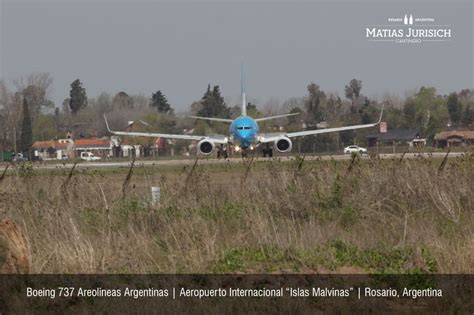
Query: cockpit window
244	127
240	128
247	128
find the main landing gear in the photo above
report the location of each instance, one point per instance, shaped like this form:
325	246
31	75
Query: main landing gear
267	150
222	152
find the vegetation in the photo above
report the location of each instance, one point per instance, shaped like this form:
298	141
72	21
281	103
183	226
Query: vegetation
159	101
425	110
78	97
26	132
302	216
212	104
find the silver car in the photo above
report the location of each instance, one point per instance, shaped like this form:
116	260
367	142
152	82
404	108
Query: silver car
354	149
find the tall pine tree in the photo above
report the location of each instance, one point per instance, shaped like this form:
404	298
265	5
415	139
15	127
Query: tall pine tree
26	137
213	104
77	97
454	108
159	101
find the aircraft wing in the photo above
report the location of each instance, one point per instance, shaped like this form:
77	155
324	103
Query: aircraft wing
271	138
215	138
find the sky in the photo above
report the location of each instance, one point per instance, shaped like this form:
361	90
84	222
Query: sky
182	46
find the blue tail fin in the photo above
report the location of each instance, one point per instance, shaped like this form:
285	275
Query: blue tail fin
242	90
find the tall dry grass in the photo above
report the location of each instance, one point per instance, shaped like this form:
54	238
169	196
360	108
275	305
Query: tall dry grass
319	216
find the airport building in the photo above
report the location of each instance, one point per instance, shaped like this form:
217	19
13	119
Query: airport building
53	149
62	149
396	137
99	147
455	138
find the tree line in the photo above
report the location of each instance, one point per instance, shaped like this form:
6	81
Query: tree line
27	114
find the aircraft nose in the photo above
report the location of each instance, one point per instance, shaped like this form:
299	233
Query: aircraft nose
246	136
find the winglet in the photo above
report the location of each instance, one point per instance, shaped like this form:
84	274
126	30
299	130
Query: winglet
381	114
107	124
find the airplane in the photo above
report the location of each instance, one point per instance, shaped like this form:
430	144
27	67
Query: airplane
244	134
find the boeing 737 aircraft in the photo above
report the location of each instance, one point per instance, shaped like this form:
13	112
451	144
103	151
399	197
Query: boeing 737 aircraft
244	134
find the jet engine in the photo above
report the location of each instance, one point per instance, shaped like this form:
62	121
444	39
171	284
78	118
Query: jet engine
283	144
205	147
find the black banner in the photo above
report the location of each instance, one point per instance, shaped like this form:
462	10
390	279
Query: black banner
236	293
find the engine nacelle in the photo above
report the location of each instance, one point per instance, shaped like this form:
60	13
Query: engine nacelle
283	144
205	147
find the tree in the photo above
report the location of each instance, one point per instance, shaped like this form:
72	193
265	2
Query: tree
26	139
65	105
333	110
77	97
103	103
313	104
45	128
122	101
294	122
252	110
468	116
159	101
454	108
36	88
368	111
213	104
352	90
418	108
393	116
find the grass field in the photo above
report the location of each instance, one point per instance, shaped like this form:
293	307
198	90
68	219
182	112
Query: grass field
359	216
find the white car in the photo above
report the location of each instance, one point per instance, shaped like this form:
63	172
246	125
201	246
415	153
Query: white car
19	158
354	149
88	156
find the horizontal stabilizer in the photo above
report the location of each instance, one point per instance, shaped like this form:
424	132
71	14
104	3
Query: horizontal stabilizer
275	117
213	119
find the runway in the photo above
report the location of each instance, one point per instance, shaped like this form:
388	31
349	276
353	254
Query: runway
181	162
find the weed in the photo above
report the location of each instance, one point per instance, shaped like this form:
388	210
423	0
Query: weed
382	216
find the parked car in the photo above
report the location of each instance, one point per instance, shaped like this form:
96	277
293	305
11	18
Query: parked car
354	149
19	158
89	156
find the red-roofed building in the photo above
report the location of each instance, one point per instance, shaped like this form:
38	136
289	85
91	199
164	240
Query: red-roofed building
99	147
54	149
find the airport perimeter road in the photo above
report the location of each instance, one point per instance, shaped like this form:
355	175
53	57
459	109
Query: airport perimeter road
140	163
